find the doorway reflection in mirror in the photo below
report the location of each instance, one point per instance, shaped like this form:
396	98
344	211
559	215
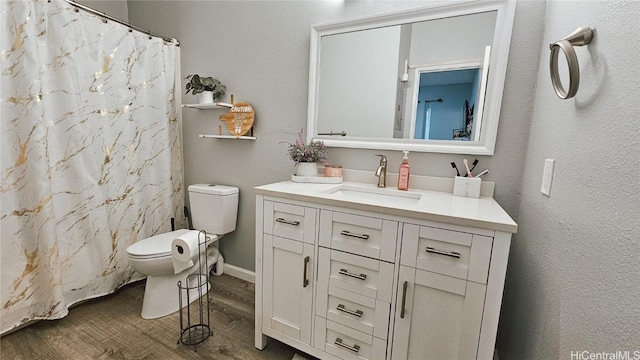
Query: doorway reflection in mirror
436	119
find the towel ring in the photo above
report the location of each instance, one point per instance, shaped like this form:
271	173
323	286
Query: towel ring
582	36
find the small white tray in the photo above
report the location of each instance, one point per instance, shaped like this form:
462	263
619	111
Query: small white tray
317	179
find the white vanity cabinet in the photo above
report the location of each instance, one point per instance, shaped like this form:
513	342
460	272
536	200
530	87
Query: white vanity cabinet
441	292
288	269
349	280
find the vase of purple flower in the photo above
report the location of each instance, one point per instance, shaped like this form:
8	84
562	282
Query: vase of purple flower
307	156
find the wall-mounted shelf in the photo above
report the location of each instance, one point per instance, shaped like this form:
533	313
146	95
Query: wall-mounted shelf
216	105
205	136
240	109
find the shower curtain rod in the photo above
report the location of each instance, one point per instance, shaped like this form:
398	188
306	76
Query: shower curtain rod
129	25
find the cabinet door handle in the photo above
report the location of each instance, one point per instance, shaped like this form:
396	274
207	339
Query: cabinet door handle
288	222
347	273
359	236
445	253
404	299
305	281
342	308
354	348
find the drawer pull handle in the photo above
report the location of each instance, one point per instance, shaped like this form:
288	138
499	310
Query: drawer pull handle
404	299
347	273
357	313
445	253
354	348
305	281
359	236
288	222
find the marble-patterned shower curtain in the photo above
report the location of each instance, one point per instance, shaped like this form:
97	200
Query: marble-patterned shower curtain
90	155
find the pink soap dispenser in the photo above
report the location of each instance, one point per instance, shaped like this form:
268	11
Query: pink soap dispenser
403	172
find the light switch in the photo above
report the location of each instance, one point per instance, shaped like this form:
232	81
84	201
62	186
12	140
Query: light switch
547	176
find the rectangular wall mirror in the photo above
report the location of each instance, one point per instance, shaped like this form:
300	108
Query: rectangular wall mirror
428	79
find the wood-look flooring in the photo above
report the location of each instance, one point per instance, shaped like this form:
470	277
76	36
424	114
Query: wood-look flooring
110	327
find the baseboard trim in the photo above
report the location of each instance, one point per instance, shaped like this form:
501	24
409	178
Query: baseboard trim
240	273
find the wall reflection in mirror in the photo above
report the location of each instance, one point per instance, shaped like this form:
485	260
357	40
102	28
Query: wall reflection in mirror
361	89
378	80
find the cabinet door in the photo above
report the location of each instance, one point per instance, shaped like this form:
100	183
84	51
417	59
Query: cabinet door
437	316
287	287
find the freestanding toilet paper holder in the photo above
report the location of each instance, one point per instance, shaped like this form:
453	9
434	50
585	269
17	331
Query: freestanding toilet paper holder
194	317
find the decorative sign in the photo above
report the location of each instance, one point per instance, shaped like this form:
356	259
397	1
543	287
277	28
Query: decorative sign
239	119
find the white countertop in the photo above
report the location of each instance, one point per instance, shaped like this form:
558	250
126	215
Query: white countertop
484	212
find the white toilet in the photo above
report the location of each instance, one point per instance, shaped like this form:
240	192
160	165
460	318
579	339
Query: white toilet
214	209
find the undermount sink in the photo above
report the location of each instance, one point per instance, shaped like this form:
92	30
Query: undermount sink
369	193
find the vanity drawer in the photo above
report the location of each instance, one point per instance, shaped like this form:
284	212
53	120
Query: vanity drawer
356	311
346	343
290	221
458	254
364	276
356	234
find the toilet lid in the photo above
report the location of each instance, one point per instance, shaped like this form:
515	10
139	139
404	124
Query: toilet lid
155	246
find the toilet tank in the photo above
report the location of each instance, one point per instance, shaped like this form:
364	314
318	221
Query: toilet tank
214	208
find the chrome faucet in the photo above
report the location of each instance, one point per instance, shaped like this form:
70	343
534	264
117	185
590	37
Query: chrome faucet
381	173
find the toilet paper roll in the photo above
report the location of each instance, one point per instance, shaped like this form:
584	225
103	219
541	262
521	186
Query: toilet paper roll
184	248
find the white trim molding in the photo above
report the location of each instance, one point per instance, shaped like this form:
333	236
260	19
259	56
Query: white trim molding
240	273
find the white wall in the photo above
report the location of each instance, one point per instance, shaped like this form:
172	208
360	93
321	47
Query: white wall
358	81
116	8
436	41
573	282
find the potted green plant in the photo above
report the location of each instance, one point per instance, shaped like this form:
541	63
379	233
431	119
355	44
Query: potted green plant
307	156
209	88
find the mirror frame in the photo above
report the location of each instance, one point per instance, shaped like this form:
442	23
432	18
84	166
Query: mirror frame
493	98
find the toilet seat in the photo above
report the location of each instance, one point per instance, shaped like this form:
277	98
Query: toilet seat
158	246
